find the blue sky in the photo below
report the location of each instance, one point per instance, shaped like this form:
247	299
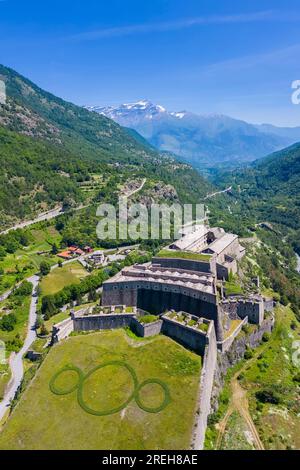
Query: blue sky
208	56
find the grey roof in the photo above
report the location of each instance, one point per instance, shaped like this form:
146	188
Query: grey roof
222	243
188	240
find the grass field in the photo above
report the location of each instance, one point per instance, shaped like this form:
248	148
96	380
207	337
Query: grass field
43	420
183	255
26	261
70	273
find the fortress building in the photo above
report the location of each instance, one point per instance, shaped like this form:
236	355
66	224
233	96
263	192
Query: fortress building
183	277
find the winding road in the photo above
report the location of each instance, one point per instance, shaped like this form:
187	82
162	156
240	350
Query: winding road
218	192
16	360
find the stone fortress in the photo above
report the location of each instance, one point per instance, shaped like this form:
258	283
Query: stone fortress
183	287
185	277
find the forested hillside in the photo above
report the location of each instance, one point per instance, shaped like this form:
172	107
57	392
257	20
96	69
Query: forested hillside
48	147
265	198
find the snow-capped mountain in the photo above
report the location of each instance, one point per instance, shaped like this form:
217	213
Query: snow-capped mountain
130	112
209	139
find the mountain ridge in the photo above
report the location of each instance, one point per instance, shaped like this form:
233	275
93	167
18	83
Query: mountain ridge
200	139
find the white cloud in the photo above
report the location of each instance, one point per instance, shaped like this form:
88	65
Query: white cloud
261	16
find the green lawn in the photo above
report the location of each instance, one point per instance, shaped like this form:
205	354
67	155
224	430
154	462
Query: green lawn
44	420
183	255
70	273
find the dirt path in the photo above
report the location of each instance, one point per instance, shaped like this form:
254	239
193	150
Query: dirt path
239	402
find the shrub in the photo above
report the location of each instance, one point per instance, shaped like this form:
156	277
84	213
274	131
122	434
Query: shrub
44	331
246	329
147	319
7	323
248	353
268	396
296	377
293	325
45	268
266	336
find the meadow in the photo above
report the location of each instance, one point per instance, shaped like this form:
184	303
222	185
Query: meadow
45	420
26	260
60	277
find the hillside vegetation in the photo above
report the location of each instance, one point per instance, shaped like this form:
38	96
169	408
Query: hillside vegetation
49	148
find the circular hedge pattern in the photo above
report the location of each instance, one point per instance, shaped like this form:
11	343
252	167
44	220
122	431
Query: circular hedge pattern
165	402
58	391
134	395
117	408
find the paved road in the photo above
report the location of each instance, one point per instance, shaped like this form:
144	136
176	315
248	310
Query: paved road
218	192
52	214
6	294
45	216
16	361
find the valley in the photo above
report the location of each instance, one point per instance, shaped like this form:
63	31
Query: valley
56	168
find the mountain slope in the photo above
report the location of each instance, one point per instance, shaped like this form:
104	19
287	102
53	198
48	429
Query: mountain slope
48	147
208	140
269	192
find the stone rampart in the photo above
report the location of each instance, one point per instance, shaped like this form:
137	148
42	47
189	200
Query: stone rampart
205	389
224	345
186	335
146	329
102	322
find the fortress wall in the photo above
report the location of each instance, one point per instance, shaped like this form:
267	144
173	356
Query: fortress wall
189	337
148	329
224	270
187	264
155	297
117	294
231	250
205	390
230	308
241	308
103	322
62	330
253	310
224	346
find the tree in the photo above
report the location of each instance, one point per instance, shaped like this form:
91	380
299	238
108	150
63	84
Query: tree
54	249
45	268
44	331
